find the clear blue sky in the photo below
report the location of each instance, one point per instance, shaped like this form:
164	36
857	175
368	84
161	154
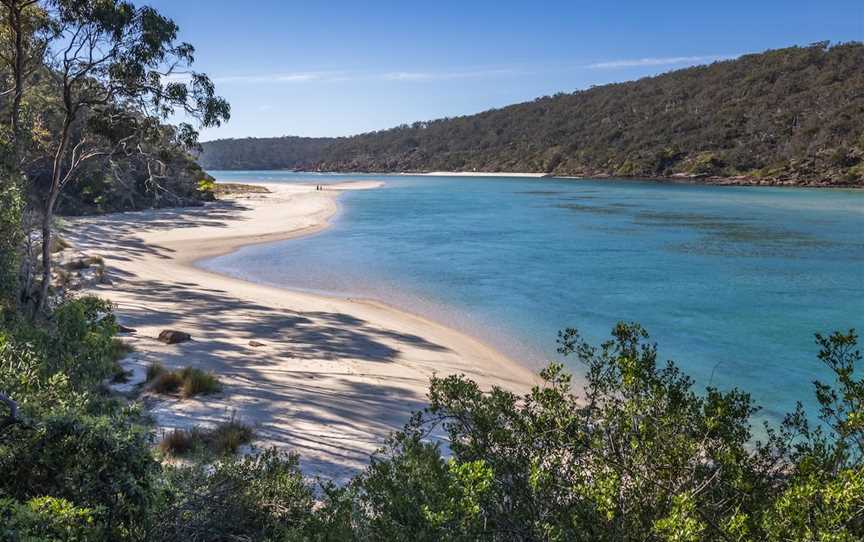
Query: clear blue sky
344	67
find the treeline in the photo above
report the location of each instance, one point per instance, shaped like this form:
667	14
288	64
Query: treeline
290	152
789	115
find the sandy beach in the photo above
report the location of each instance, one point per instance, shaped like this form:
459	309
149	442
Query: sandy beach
484	174
326	377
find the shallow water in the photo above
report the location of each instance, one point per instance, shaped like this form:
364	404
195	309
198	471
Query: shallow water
732	282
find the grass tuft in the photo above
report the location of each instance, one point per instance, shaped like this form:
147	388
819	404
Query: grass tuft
197	382
188	382
180	441
225	438
155	369
167	383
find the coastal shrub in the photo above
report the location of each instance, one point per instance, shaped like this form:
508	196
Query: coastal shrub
11	232
637	455
98	462
47	519
412	493
261	497
82	341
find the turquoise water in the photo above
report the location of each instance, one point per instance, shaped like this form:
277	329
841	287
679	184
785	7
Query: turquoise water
732	282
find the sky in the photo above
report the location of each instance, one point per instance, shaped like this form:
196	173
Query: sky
339	67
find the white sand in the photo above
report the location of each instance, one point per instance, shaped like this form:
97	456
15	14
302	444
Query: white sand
483	174
334	376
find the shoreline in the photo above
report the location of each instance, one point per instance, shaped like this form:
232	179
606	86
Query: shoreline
328	377
695	180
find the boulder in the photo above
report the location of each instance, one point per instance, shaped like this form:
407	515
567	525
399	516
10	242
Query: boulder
256	344
124	329
172	336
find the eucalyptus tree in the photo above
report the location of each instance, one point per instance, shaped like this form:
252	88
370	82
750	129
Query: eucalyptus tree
118	69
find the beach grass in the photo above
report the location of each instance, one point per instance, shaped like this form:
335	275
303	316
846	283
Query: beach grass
187	382
225	438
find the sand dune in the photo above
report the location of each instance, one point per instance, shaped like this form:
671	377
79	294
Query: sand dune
333	377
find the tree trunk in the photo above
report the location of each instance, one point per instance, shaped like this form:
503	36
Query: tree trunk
48	213
47	218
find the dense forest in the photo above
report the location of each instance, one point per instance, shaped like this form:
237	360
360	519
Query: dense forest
791	115
636	453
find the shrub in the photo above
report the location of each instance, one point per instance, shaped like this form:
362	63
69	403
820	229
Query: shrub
98	462
259	497
83	340
47	519
639	456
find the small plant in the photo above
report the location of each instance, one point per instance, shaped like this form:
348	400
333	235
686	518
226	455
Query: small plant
167	383
179	442
155	369
197	382
188	382
225	438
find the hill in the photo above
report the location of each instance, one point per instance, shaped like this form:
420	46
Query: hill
793	115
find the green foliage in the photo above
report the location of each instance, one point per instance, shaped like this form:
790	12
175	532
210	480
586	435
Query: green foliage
819	508
411	493
11	231
100	462
47	519
788	111
207	184
634	454
250	498
638	456
83	342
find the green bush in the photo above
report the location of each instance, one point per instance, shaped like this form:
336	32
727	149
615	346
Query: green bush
100	462
637	456
250	498
47	519
83	340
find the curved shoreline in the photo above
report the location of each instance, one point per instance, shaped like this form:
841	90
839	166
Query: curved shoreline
327	377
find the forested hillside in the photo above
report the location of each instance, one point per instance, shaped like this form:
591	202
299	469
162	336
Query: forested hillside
792	115
265	153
